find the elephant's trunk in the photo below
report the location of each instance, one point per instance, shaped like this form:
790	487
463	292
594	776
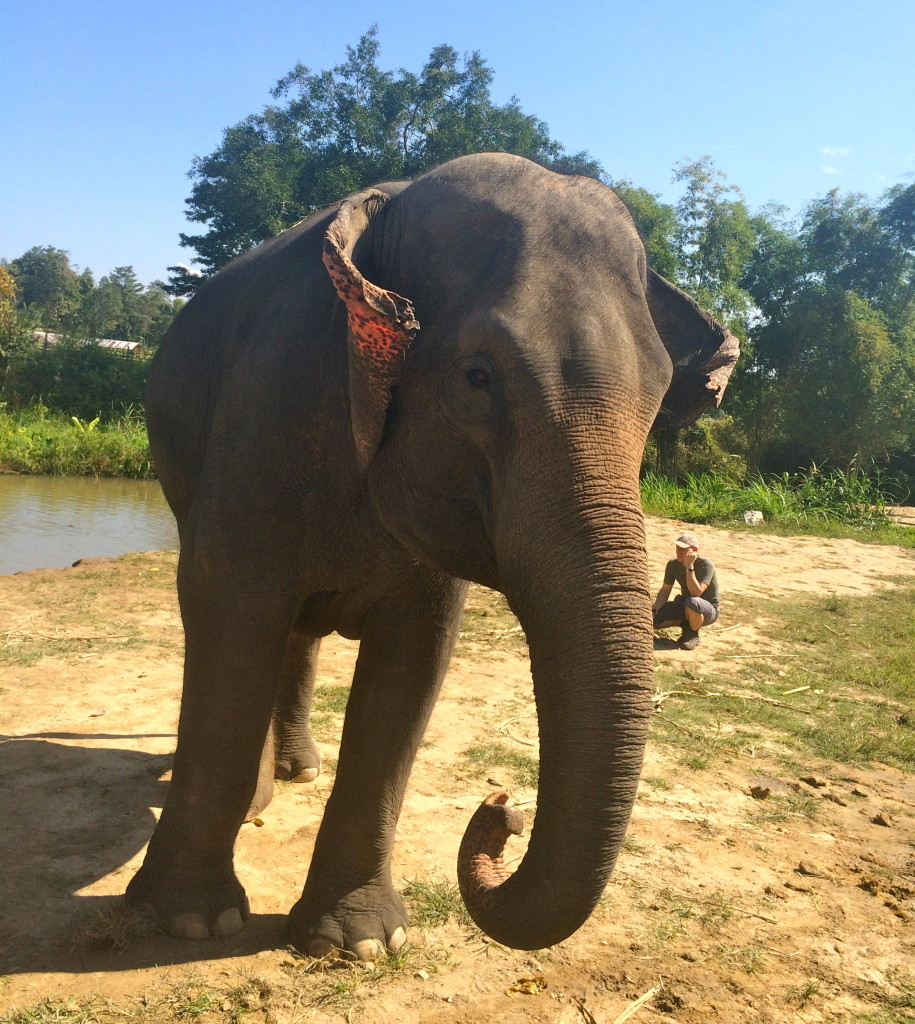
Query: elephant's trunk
583	602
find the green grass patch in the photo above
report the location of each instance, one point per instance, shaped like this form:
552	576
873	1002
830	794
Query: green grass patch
489	622
332	699
193	999
36	441
324	728
671	915
433	903
488	755
23	648
852	663
818	502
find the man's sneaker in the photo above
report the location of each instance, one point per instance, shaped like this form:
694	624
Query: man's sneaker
688	640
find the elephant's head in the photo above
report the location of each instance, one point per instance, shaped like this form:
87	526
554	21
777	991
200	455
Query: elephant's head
502	444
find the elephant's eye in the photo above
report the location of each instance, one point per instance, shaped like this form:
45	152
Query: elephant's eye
477	378
471	389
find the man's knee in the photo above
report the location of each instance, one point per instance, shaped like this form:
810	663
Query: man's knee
694	616
701	611
670	614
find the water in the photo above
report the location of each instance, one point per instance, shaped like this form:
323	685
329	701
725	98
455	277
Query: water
49	522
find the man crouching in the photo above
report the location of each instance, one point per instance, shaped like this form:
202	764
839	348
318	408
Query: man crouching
697	603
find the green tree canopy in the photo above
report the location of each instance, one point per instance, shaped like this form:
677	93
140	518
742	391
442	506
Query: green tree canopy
716	238
340	130
832	368
46	283
16	325
53	295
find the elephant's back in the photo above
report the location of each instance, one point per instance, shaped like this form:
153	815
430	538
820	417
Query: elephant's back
240	339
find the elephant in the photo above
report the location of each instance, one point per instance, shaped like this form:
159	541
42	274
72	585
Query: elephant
428	383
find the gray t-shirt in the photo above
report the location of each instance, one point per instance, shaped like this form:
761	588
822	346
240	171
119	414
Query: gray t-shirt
675	572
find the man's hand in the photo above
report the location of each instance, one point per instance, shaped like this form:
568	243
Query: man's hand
689	558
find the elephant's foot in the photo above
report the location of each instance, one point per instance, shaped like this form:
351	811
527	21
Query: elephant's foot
298	769
189	908
365	923
296	760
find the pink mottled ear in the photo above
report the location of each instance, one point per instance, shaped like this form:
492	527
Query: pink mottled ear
703	353
381	324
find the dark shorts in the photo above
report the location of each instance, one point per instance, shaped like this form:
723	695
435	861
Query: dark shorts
673	613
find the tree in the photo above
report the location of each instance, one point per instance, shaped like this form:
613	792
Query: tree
716	237
704	244
46	282
833	359
841	385
99	314
340	130
16	326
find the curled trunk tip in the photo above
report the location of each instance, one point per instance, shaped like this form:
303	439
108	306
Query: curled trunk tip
480	865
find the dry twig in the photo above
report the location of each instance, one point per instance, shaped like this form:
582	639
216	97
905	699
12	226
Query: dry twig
19	635
518	718
636	1005
638	883
659	698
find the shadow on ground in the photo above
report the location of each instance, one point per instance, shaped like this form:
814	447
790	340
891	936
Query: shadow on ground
73	815
662	643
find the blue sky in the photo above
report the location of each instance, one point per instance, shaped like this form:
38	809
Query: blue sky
103	105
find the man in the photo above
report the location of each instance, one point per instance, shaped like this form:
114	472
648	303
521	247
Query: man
697	603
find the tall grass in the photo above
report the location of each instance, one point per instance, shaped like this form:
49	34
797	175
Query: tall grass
814	497
36	441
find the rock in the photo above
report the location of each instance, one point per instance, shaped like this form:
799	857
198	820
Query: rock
773	784
813	780
835	799
760	792
811	869
870	858
794	887
882	819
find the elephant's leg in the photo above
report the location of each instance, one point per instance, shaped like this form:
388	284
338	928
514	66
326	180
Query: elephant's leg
289	752
296	758
235	645
349	901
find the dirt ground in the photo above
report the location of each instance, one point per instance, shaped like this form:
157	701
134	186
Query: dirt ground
717	913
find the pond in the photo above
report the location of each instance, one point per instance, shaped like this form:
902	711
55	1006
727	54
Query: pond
49	522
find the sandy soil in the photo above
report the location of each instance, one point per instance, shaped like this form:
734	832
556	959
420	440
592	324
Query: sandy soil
731	918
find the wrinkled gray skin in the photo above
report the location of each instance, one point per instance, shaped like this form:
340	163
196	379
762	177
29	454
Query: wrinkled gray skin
504	449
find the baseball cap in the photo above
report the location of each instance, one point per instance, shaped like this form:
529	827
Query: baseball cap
687	540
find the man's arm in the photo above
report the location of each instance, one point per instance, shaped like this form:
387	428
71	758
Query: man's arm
693	585
661	599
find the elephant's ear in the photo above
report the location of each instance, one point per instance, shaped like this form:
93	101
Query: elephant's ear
381	323
702	351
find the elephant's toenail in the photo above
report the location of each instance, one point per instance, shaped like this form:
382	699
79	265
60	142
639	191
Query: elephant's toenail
189	926
321	947
228	923
368	949
306	775
397	940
